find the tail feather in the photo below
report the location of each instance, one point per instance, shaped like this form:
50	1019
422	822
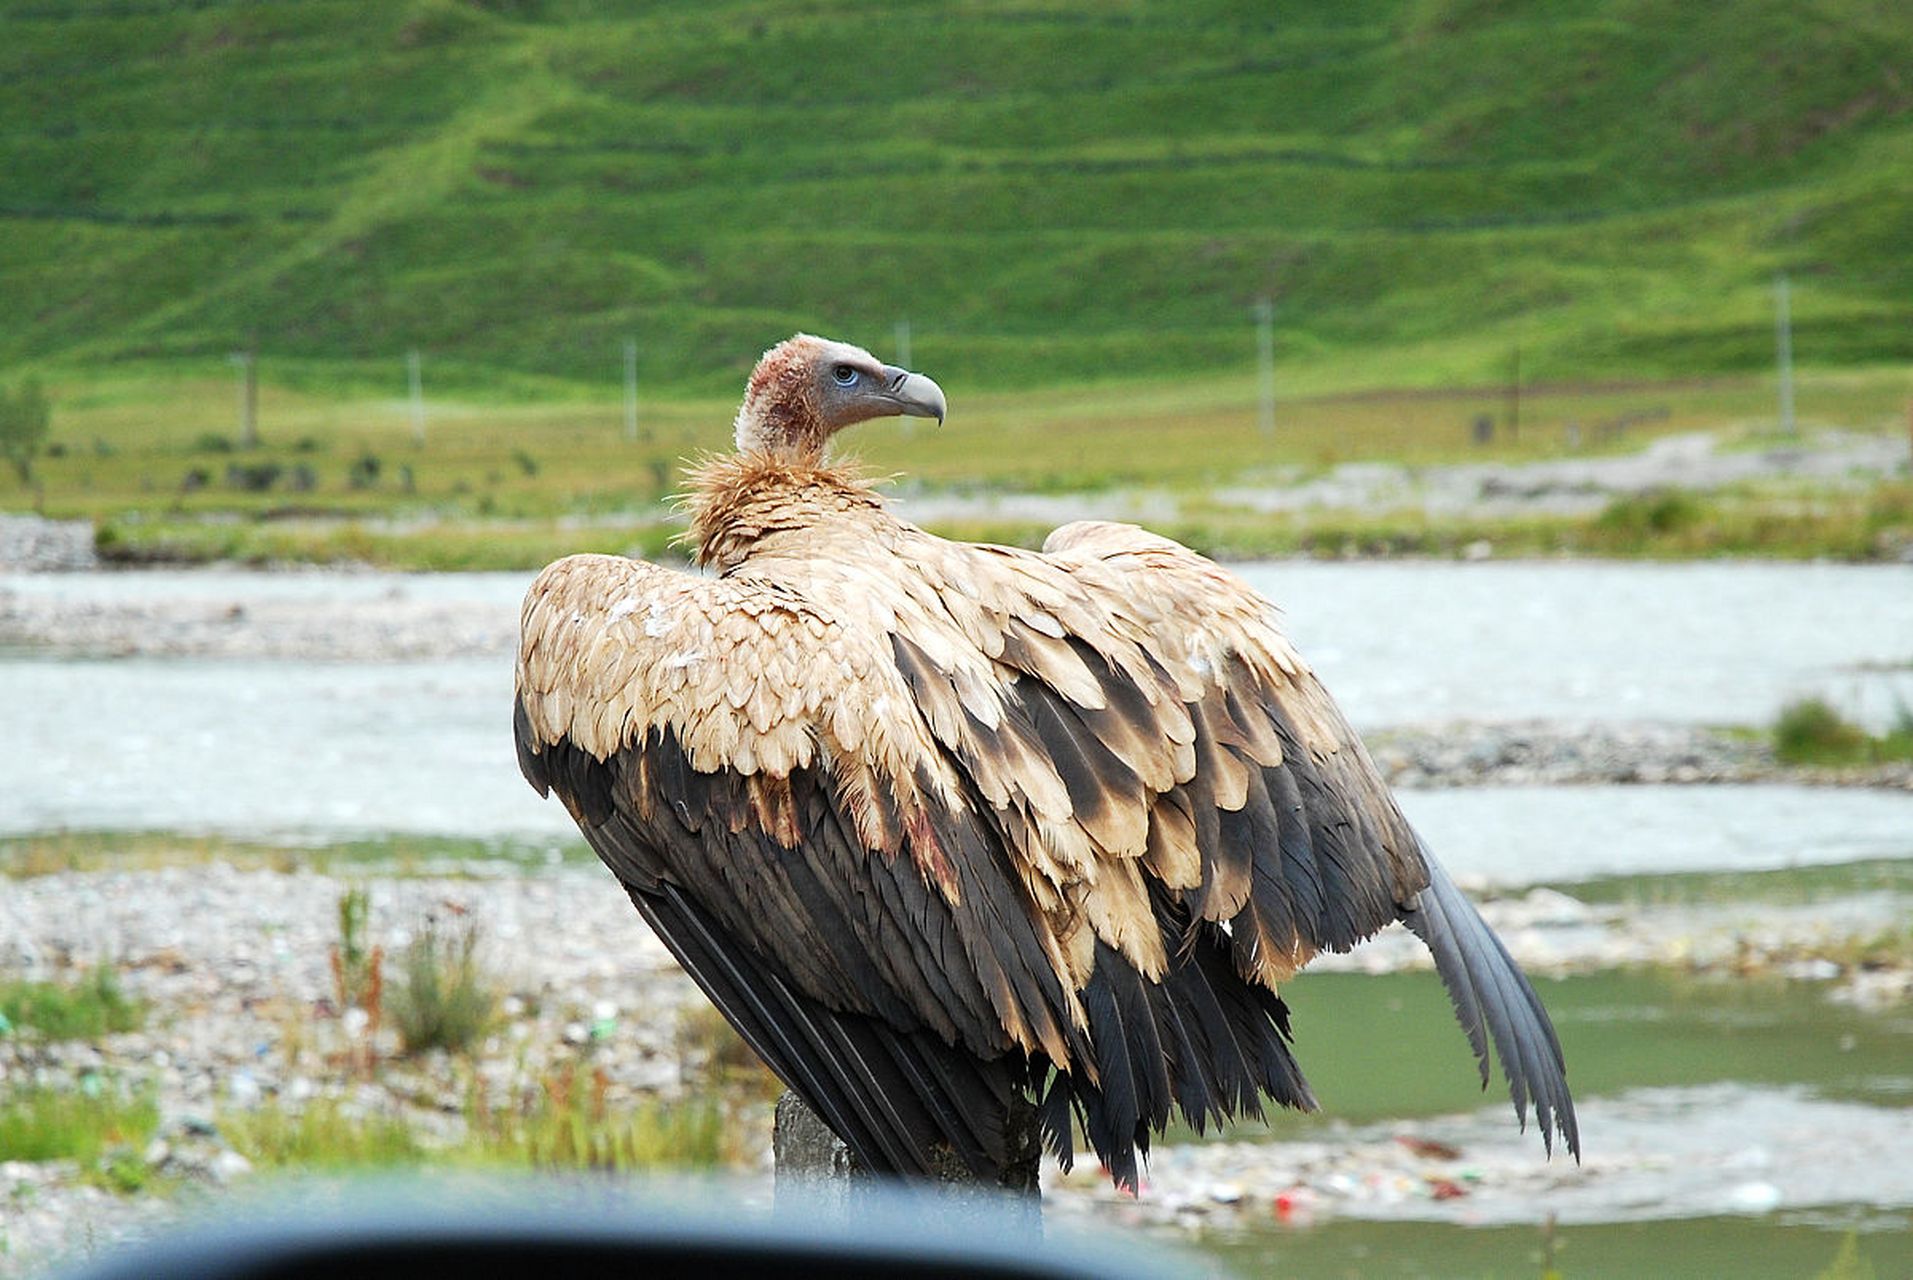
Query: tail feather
1494	1001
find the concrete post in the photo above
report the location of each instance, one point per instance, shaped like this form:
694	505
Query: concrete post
815	1168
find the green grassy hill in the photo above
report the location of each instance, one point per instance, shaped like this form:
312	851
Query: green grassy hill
1051	192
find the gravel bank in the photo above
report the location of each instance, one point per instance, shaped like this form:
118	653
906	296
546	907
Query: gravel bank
395	625
234	967
1570	486
32	544
1546	753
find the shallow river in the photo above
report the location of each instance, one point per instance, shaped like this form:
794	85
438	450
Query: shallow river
1410	642
324	748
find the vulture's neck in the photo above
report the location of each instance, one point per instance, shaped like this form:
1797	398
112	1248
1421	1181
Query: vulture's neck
738	501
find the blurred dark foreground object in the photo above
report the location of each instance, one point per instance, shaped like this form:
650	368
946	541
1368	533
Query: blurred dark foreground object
901	1233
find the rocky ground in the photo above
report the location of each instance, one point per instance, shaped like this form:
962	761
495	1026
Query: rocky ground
1576	486
207	623
234	967
32	544
1544	752
1570	486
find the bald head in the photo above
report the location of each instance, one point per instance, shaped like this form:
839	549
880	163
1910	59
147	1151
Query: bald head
806	389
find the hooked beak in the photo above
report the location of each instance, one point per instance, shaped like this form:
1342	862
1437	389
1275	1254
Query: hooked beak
912	393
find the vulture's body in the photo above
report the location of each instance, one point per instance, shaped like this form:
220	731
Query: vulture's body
936	825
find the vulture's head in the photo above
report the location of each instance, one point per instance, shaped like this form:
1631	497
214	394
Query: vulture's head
807	389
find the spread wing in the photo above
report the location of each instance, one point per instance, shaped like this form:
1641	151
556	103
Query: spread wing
749	769
1306	847
1171	780
950	815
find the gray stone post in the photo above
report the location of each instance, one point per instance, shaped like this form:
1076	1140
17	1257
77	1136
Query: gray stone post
814	1166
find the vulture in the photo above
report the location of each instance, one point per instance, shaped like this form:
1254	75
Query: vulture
949	829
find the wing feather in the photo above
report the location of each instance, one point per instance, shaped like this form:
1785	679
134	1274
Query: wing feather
1300	844
818	874
927	819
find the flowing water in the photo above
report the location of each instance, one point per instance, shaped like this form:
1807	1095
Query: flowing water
320	748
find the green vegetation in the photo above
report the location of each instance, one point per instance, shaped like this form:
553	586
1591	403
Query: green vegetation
100	1127
1812	731
1890	948
567	1124
1784	885
25	418
1075	207
442	999
1849	1263
437	547
395	855
323	1135
1055	195
468	505
572	1126
93	1007
154	466
1678	525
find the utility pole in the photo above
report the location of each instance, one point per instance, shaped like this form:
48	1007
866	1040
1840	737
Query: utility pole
1783	348
903	358
1265	366
247	362
418	397
631	390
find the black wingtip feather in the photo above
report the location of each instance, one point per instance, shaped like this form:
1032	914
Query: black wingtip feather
530	761
1494	1001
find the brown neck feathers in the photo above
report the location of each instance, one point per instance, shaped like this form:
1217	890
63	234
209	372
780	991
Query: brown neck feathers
736	502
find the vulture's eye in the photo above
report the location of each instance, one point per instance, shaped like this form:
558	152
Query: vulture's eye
843	375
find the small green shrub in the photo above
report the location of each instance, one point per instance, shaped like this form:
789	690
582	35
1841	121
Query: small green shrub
1812	731
26	416
441	999
364	471
213	442
357	965
1661	511
253	477
94	1006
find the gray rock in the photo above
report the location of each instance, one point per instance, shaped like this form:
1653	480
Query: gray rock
33	544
